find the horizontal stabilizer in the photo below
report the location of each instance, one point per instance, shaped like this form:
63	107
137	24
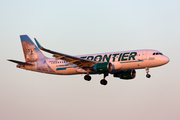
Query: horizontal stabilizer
20	63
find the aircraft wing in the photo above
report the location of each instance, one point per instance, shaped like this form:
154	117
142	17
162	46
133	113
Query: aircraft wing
80	62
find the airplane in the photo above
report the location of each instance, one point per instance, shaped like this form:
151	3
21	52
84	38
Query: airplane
120	64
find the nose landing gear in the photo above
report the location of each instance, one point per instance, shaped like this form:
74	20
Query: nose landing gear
147	71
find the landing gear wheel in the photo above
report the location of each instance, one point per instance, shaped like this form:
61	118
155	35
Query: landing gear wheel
148	75
147	71
103	82
87	77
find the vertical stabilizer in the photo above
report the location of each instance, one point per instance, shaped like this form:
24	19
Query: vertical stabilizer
31	52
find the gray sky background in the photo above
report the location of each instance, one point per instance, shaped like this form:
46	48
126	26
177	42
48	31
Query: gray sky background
85	27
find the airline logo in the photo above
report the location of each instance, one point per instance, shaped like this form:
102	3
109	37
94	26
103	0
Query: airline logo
112	57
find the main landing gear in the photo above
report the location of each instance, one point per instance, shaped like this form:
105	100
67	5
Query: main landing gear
87	77
147	71
103	81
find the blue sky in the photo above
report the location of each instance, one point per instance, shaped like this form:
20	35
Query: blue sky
86	27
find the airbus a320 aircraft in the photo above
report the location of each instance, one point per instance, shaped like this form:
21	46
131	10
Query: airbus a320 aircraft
120	64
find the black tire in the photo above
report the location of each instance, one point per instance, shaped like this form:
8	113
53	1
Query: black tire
87	77
103	82
148	75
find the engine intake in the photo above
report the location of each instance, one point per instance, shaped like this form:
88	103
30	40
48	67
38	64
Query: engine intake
126	74
103	67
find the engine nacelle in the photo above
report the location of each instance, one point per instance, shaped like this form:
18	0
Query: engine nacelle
126	74
103	67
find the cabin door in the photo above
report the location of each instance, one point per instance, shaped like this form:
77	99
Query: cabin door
144	55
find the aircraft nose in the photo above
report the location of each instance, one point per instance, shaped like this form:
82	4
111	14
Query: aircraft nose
166	60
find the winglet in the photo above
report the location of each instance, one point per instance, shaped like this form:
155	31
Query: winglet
38	44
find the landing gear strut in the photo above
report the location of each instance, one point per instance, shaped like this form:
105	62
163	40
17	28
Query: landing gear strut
103	81
147	71
87	77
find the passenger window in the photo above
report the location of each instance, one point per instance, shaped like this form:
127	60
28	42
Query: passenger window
153	53
157	53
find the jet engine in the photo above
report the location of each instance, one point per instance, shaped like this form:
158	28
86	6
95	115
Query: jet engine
126	74
103	67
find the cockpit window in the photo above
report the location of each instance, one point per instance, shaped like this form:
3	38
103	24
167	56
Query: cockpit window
157	54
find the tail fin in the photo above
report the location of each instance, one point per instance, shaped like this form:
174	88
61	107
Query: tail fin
31	52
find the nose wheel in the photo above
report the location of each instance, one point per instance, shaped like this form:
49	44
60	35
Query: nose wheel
147	71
